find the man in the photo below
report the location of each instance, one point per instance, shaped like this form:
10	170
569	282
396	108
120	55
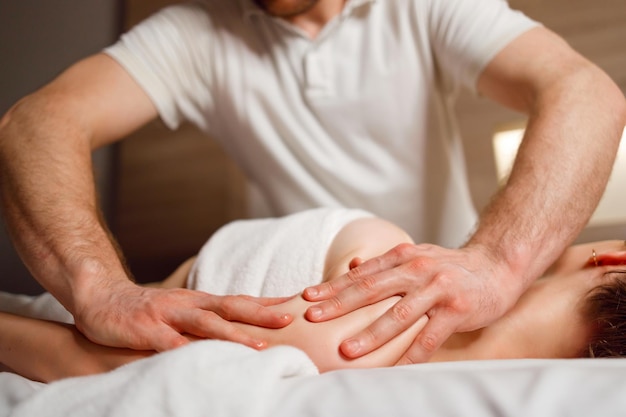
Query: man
322	102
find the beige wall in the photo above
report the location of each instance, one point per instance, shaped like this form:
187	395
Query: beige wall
176	188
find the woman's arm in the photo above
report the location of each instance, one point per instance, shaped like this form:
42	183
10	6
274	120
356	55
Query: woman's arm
46	351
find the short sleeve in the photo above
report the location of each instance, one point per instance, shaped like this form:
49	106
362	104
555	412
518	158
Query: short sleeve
466	35
168	57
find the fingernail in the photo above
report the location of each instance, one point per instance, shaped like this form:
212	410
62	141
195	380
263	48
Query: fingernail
352	346
315	312
259	344
284	317
312	292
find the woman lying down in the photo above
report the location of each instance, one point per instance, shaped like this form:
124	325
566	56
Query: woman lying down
575	310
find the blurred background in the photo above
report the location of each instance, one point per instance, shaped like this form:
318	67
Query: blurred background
164	193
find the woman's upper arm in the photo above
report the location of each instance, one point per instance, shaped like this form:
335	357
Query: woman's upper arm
364	238
46	350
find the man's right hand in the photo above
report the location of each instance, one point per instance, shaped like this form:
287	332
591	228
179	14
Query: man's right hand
127	315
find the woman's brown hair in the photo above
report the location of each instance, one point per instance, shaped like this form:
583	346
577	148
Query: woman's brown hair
605	309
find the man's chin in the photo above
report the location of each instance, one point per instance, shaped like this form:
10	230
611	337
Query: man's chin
286	8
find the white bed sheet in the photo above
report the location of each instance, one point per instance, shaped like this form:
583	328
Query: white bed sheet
214	378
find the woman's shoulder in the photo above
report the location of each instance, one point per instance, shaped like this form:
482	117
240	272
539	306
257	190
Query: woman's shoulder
364	238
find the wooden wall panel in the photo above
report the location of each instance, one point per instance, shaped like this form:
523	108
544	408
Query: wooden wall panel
174	188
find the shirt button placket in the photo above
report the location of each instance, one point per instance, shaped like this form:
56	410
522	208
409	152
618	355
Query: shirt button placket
316	72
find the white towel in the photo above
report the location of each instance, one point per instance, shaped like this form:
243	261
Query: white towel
269	257
207	378
43	306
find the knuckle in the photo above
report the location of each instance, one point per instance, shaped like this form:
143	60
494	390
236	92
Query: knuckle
419	264
444	281
228	306
367	284
261	314
429	343
401	312
403	250
336	303
205	320
461	305
354	275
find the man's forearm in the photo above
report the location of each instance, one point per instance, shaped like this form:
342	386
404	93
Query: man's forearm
49	199
559	175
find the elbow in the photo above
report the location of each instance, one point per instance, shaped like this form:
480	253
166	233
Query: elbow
621	107
608	93
588	88
44	118
19	118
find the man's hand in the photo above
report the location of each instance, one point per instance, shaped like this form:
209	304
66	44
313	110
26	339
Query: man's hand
127	315
459	290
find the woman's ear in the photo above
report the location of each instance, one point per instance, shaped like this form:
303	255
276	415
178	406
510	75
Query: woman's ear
610	258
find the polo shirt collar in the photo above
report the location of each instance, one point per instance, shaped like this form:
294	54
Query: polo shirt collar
249	8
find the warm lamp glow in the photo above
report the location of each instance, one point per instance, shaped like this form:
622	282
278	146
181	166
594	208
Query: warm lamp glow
612	207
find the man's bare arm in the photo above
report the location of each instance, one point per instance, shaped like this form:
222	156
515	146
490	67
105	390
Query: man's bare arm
50	205
49	196
576	117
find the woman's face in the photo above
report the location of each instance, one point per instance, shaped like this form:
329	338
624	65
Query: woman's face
286	8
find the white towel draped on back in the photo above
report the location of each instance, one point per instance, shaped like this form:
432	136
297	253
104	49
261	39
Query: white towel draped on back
269	257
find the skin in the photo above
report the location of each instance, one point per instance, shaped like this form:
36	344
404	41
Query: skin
576	115
308	15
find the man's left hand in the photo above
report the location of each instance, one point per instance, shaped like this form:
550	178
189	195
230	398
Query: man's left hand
459	290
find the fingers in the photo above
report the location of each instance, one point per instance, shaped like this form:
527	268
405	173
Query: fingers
212	318
358	269
400	317
237	308
393	258
434	334
364	291
267	301
168	339
159	319
209	325
327	289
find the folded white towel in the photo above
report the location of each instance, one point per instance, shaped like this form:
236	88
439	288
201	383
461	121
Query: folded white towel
269	257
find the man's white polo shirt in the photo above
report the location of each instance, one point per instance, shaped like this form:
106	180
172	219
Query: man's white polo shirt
361	116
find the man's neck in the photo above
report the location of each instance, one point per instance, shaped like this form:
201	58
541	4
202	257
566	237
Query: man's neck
313	20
